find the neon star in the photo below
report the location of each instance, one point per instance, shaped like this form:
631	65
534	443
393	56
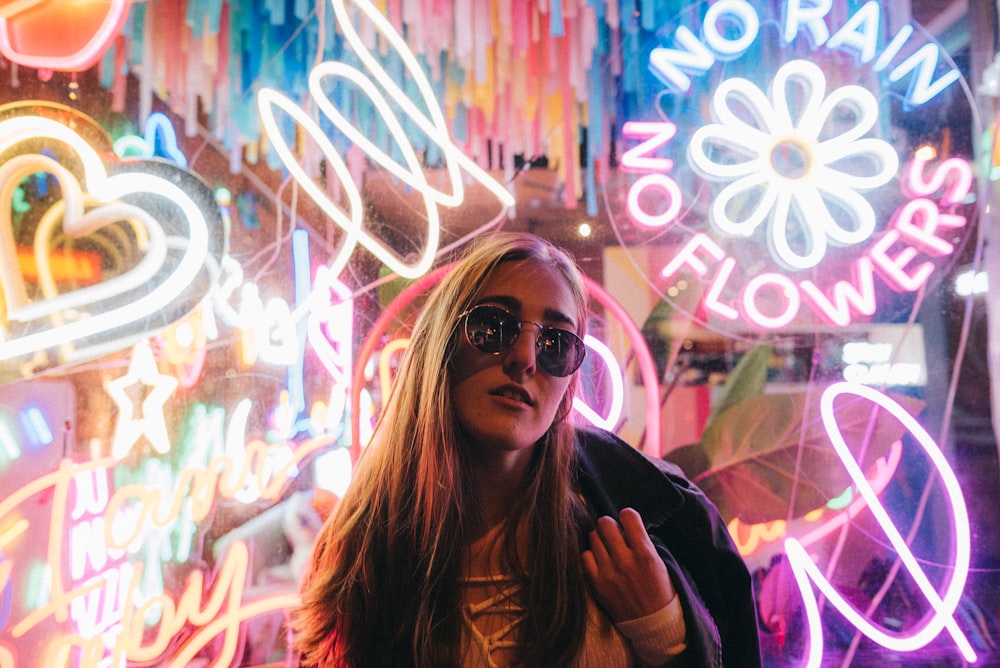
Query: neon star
150	423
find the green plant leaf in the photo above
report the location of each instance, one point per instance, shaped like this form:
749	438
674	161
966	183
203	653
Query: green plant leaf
769	456
747	380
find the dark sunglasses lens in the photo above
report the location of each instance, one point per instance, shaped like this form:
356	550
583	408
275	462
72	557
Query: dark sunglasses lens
560	352
490	329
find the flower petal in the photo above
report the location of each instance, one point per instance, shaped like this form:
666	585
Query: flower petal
790	218
807	77
714	141
744	189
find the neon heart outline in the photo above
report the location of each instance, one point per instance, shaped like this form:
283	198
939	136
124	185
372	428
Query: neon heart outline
195	249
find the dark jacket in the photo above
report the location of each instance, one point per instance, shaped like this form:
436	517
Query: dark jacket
708	573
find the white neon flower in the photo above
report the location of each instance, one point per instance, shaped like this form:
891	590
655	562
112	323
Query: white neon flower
792	161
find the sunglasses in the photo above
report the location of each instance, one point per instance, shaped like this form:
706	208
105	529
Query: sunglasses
492	330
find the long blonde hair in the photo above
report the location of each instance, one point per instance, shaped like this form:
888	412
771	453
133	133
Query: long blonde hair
383	585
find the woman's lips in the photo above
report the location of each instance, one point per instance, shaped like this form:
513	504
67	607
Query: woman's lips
513	393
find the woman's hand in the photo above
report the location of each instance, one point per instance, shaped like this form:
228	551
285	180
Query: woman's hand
627	575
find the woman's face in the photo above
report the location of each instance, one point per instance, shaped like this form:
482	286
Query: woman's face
506	402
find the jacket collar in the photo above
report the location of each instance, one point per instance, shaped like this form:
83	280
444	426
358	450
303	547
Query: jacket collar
612	476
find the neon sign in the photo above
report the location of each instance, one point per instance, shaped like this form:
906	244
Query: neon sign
158	139
165	209
786	224
859	37
378	87
943	604
902	257
150	423
802	187
821	522
116	618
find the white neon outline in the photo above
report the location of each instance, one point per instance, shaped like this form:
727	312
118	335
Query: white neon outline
107	189
922	89
152	424
82	59
434	126
617	389
152	241
90	493
864	44
230	282
274	337
666	63
807	573
87	540
812	17
747	18
782	197
235	450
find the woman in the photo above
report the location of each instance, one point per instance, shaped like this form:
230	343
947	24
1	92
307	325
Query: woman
483	529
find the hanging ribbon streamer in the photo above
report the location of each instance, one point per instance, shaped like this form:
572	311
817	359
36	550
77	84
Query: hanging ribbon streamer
514	77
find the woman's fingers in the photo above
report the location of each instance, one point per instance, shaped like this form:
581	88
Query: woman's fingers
634	530
627	575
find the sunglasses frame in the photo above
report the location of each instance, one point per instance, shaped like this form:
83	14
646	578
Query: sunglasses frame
575	340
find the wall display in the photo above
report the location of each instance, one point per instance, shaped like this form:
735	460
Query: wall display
786	166
810	194
192	360
160	222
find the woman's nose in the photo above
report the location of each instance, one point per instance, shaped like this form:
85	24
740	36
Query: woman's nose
521	356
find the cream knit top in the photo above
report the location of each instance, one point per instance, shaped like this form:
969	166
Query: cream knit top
492	610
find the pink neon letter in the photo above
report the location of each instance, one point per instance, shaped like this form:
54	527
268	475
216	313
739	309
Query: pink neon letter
639	158
892	267
712	302
845	294
959	170
687	257
669	188
923	235
785	289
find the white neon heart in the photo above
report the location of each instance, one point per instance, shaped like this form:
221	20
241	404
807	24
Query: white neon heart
127	305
